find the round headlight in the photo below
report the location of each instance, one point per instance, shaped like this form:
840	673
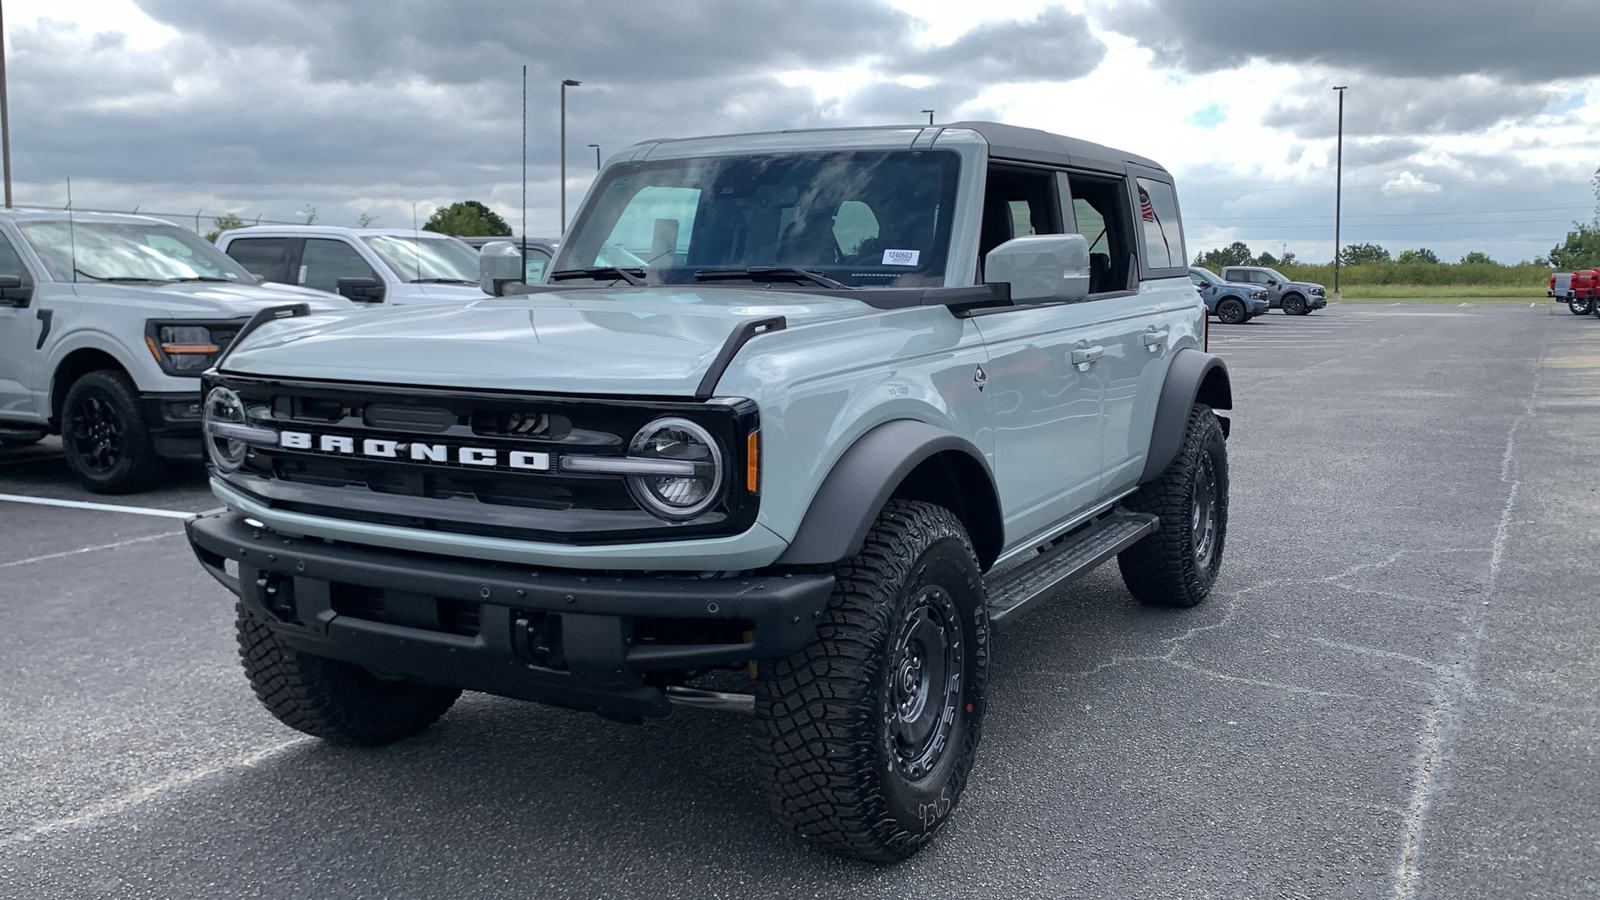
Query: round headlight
685	494
223	405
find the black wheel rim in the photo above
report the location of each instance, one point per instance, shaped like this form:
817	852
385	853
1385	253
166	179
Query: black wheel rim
97	434
927	665
1232	313
1203	517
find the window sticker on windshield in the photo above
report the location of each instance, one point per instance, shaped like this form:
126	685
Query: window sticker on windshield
901	257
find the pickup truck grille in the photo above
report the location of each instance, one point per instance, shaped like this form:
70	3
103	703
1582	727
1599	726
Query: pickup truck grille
472	463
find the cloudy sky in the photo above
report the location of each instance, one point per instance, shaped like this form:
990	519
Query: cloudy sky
1469	124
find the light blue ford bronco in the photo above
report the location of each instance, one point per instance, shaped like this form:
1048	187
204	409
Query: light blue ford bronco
815	410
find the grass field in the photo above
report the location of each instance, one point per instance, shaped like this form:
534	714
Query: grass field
1441	293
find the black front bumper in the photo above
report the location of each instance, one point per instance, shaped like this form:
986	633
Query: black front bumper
601	643
173	421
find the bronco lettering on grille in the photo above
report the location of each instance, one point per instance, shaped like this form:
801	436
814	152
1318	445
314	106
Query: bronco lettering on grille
375	448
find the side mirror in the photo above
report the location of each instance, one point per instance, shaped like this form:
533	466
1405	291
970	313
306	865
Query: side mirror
13	292
1272	282
499	264
1041	268
362	290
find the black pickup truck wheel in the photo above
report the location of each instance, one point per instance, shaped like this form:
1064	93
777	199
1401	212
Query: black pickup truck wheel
1580	307
866	736
336	701
1295	305
1176	565
1231	312
104	435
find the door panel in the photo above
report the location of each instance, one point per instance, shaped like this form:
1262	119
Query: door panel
1137	355
1047	410
19	336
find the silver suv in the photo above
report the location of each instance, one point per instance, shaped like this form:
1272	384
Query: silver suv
794	423
1295	298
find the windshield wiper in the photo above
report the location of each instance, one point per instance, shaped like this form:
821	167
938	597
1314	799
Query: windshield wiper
440	281
772	273
634	277
205	278
118	278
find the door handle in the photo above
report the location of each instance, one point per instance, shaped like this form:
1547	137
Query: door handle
1083	356
1155	340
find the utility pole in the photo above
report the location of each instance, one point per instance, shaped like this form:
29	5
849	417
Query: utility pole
1338	190
5	112
565	83
930	115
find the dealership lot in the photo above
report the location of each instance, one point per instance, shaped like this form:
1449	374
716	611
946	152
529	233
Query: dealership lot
1392	691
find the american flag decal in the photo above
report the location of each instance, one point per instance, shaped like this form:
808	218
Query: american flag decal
1146	211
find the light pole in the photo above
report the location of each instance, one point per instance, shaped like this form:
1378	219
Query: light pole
5	114
1338	190
930	115
565	83
596	155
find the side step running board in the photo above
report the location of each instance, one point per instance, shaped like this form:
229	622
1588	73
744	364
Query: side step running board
1018	590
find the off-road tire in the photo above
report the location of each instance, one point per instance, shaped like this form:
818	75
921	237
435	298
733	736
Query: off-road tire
1177	565
1294	305
1232	312
336	701
103	432
830	718
1580	307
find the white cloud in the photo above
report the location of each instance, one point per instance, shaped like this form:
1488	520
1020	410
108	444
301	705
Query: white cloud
1407	183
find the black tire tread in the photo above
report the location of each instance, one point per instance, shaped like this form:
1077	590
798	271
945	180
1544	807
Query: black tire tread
336	701
817	758
1160	569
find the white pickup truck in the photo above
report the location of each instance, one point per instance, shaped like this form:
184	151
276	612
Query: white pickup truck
381	266
106	322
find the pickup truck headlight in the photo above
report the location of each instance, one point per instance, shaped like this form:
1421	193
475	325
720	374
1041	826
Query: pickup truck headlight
691	478
187	348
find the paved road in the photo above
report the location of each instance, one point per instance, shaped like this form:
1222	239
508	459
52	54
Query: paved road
1392	693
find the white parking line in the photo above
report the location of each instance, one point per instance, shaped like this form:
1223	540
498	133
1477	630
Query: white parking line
111	546
103	507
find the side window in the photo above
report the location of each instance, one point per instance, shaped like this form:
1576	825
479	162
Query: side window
1158	220
1255	276
10	262
324	262
1017	202
263	257
534	264
1104	218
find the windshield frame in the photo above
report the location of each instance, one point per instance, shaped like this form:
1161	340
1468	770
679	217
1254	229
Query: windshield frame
584	245
1207	275
414	264
80	258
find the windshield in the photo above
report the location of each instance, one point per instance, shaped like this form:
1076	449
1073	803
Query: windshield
429	260
1205	275
128	251
864	219
1278	275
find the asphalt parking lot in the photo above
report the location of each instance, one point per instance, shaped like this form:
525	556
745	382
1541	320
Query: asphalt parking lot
1391	693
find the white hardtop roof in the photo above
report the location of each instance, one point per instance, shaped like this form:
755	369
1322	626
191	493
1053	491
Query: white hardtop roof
24	215
313	230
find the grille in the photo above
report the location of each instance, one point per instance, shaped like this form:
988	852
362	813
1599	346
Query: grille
418	477
440	614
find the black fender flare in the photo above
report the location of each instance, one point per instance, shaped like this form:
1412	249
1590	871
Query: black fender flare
1193	377
869	473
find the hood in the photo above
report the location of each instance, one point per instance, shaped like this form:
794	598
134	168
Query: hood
1307	284
446	292
211	299
650	341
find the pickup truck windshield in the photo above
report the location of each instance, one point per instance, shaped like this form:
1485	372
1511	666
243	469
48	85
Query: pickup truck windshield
426	260
128	251
862	219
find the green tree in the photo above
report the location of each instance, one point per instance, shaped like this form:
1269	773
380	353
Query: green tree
1266	259
469	218
1477	258
1361	254
223	222
1420	255
1235	254
1581	250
